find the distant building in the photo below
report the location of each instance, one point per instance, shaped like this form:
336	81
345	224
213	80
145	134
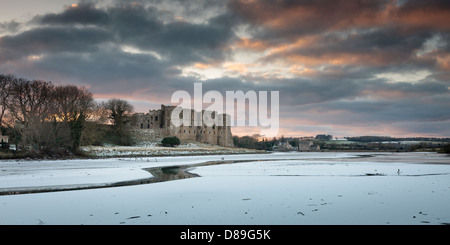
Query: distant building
284	146
315	148
307	145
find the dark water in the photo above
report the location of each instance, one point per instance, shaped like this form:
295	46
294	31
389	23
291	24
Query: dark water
170	173
160	174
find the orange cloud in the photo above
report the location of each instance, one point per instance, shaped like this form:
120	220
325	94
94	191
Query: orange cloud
302	71
444	62
202	66
302	42
247	43
336	58
311	16
384	94
423	15
237	67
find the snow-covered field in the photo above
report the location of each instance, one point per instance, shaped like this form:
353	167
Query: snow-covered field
153	149
277	188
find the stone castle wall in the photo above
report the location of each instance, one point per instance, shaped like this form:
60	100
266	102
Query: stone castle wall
158	123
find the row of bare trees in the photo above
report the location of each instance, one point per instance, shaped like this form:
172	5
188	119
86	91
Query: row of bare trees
48	117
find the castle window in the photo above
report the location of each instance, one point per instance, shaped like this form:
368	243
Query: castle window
148	125
156	118
142	125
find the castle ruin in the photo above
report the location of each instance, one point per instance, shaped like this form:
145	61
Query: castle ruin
158	124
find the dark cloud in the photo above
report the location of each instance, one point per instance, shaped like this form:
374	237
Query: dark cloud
106	69
423	15
89	43
179	41
84	14
288	19
9	26
143	27
380	47
43	40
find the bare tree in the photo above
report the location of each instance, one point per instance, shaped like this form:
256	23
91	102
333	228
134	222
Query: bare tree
74	105
47	117
32	104
5	91
31	101
99	114
119	113
53	118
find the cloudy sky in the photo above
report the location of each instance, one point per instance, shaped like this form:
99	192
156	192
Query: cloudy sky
342	67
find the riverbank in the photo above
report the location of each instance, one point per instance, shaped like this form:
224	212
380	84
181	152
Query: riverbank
155	150
143	150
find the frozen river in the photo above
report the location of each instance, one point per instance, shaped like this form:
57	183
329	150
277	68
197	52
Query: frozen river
277	188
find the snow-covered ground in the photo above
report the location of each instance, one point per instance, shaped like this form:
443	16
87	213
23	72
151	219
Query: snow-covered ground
153	149
278	188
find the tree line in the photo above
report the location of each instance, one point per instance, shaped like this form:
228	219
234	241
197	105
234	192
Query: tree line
42	117
365	143
260	143
388	138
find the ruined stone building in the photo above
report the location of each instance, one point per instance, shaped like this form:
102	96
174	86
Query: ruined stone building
307	145
284	146
157	123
